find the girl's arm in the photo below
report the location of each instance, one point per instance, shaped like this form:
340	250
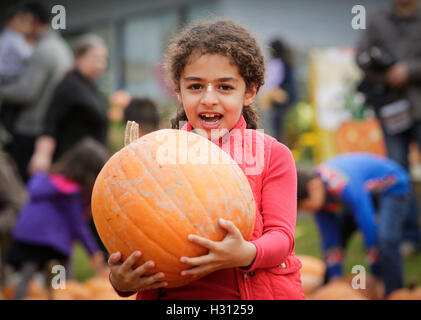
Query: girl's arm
278	208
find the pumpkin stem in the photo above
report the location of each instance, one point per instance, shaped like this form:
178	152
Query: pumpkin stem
131	132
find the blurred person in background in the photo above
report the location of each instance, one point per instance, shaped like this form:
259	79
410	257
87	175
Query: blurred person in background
12	198
389	53
142	110
15	51
51	58
341	193
55	215
77	108
15	48
145	112
279	91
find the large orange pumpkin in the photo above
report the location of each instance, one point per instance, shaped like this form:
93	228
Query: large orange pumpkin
162	187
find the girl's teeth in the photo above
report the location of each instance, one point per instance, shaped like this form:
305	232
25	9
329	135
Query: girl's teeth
209	118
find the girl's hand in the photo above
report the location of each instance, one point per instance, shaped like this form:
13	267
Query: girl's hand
126	279
231	252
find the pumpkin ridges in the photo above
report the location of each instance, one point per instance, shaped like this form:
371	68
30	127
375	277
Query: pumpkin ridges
202	205
128	223
203	185
176	207
245	205
243	184
102	225
142	237
147	237
178	204
162	190
161	246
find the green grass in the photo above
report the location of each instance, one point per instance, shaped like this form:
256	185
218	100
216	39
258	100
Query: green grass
307	241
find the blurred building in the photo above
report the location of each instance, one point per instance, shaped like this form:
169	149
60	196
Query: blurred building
137	31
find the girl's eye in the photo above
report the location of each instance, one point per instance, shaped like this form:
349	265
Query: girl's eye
225	87
195	86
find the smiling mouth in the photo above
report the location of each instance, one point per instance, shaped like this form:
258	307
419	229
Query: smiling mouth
210	118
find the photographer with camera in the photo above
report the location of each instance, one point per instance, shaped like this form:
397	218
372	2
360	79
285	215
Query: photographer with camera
389	53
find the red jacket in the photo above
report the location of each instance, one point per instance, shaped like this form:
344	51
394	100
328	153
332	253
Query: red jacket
270	170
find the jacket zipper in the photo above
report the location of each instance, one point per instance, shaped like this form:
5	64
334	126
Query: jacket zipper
246	286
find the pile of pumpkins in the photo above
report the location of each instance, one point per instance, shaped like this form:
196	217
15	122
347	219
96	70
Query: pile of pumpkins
312	278
96	288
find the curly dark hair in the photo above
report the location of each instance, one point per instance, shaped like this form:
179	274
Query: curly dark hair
223	37
82	163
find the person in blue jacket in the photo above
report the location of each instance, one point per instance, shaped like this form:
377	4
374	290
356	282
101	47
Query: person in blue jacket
365	192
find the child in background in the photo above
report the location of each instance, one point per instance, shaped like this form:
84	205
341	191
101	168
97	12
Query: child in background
145	112
341	193
55	215
217	69
142	110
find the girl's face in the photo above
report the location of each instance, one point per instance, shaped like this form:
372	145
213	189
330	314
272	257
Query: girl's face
213	94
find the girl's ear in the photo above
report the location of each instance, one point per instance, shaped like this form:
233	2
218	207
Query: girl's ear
177	91
250	95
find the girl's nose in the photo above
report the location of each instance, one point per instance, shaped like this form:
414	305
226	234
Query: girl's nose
209	96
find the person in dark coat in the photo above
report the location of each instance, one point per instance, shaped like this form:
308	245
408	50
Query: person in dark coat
77	108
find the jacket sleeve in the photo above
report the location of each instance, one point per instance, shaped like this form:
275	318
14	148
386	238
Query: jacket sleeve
75	214
31	83
279	209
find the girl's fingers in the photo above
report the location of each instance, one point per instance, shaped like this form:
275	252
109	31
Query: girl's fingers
130	261
196	261
156	285
114	258
198	270
147	282
211	245
230	227
139	271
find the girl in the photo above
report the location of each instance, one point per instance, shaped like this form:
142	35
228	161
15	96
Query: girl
217	69
54	217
